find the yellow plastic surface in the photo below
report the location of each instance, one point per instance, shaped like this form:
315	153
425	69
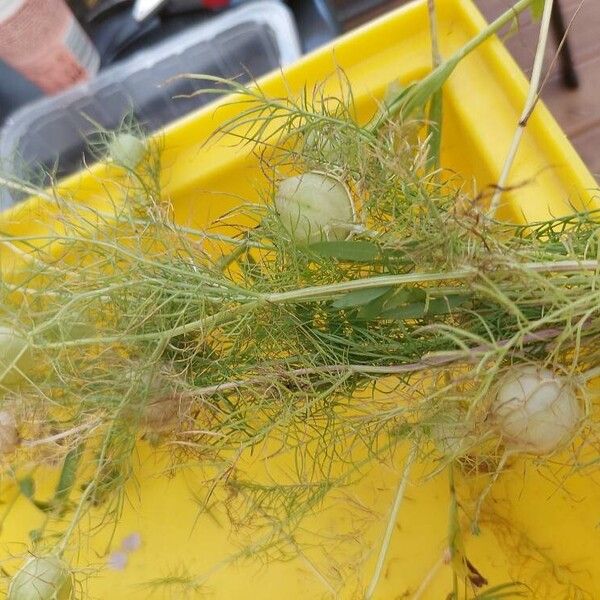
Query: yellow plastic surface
545	528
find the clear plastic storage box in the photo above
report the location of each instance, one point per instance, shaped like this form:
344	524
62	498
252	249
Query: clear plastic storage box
52	134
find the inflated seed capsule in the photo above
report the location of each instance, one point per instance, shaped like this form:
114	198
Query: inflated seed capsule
42	578
315	206
126	150
535	410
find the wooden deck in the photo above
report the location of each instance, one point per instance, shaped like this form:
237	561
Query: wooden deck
577	110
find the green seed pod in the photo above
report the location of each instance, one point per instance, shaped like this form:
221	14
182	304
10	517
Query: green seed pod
12	345
42	578
9	436
126	150
315	206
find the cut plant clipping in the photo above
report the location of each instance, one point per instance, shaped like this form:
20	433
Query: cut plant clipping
299	357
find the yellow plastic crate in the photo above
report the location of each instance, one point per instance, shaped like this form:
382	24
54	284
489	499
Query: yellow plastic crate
546	531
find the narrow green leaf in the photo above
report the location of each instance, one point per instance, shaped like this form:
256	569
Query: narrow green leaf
414	310
354	251
423	308
395	255
435	105
68	476
43	506
227	259
27	487
435	130
392	91
445	305
373	309
537	8
422	91
406	296
35	535
360	297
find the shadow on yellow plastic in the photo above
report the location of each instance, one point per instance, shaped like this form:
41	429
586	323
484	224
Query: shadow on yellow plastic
545	530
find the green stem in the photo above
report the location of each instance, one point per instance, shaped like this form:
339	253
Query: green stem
435	106
323	292
454	532
417	95
61	546
389	530
530	103
130	219
225	316
488	488
491	29
333	290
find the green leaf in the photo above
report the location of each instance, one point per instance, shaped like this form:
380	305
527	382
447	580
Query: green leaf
43	506
353	251
419	308
395	255
392	91
27	487
445	305
373	309
406	296
360	297
68	476
537	8
35	535
435	130
414	310
417	96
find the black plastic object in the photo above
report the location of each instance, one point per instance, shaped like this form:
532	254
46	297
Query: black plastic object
53	133
316	22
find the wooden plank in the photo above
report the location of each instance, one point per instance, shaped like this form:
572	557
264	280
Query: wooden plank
577	110
583	35
583	18
588	145
382	7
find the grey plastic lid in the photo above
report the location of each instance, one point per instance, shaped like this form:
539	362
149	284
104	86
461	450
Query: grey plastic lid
53	133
